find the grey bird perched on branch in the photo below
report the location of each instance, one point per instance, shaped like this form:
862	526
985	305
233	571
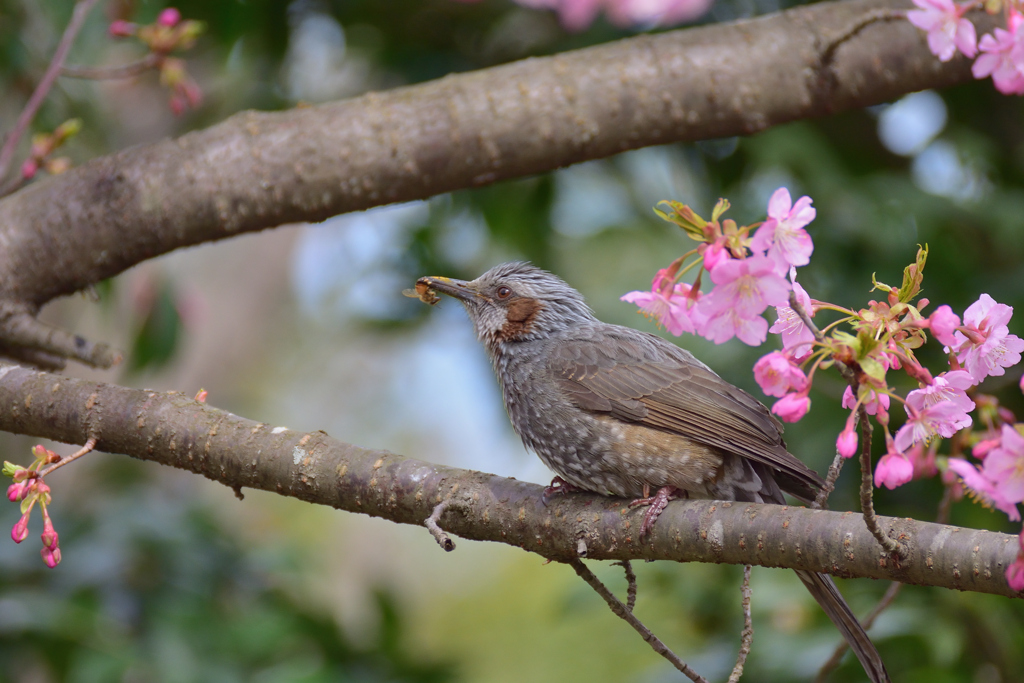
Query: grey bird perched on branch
620	412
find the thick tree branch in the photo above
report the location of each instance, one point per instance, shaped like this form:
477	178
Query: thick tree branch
174	429
260	170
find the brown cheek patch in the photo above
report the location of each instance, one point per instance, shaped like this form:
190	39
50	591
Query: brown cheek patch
521	314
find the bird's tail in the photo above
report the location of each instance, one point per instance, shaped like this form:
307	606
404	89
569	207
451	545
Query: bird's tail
828	596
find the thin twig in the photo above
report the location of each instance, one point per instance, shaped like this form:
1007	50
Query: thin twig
103	73
87	448
829	486
442	538
630	584
867	505
867	487
82	8
622	612
747	636
13	184
868	621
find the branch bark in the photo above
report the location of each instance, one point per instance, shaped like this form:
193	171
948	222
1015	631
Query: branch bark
260	170
174	429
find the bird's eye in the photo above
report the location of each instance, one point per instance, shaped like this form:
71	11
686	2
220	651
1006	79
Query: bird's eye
504	292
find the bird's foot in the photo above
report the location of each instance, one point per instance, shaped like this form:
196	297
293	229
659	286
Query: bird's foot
557	488
658	502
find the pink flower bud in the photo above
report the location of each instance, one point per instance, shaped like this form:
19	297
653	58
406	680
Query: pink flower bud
169	17
982	448
792	407
846	444
16	492
49	536
715	254
50	557
29	169
20	531
121	29
943	322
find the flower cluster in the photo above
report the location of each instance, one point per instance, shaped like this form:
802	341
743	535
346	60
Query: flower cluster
1001	52
747	266
168	34
577	15
748	271
29	489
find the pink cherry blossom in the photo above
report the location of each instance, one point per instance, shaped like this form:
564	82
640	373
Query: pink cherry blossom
751	330
949	387
782	236
984	345
746	285
982	488
943	322
1001	59
792	407
1004	466
846	443
947	30
1015	572
939	419
893	470
777	375
655	12
871	405
667	304
795	334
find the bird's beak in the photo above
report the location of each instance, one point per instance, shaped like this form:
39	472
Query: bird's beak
460	289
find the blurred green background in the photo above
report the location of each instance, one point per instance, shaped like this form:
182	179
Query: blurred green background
167	577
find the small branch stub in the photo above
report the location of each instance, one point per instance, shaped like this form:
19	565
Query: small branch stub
439	534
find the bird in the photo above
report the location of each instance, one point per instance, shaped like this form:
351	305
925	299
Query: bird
619	412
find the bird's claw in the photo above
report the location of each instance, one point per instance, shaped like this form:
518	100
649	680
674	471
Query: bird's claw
658	502
558	487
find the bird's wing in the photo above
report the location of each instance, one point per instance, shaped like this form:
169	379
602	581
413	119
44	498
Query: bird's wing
638	377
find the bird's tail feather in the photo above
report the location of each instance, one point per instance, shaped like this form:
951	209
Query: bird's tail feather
825	592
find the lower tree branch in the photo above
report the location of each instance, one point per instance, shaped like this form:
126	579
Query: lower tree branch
627	615
176	430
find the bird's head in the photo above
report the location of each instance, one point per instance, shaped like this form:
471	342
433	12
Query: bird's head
515	302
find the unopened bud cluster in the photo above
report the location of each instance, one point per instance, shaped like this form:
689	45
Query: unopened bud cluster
30	490
169	33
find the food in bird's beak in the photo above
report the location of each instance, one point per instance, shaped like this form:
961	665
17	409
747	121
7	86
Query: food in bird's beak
423	292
